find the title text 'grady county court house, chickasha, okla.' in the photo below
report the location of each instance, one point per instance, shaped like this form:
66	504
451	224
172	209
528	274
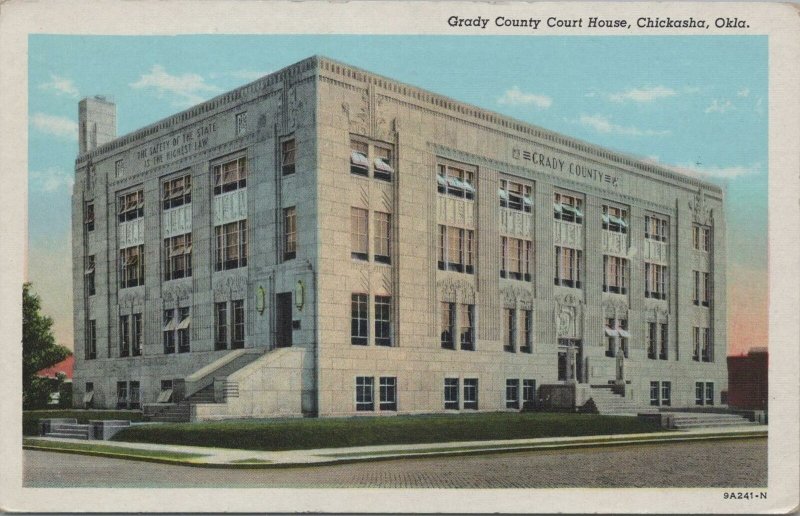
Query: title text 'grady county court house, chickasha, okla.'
326	241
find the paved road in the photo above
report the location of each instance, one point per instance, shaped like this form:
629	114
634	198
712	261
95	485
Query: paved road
735	463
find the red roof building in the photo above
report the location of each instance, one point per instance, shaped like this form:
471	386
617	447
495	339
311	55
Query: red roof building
747	380
65	366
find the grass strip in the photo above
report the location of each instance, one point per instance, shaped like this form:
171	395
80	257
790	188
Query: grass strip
304	434
108	449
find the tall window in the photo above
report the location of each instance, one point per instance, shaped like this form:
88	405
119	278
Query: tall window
666	394
383	321
289	233
91	340
359	319
512	393
467	327
364	393
130	206
663	354
568	267
448	324
359	239
528	393
655	398
178	256
383	237
237	341
288	157
231	245
184	321
136	330
706	301
617	330
708	348
656	228
709	393
230	176
652	340
177	192
89	274
456	249
227	334
568	208
455	181
378	157
451	394
359	158
615	278
516	257
89	216
615	219
471	393
527	331
655	281
701	237
388	392
221	325
131	266
697	344
124	336
699	397
168	332
122	395
383	163
509	330
515	196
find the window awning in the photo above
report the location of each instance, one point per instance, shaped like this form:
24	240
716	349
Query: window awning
164	396
624	333
89	269
502	193
185	322
557	207
527	200
356	158
171	324
468	186
454	182
611	332
617	221
87	397
383	166
440	179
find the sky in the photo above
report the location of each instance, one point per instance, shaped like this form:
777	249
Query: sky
694	103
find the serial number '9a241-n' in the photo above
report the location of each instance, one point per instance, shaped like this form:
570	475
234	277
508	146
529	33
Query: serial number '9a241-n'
744	495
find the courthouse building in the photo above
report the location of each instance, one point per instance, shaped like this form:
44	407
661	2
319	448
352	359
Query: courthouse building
326	241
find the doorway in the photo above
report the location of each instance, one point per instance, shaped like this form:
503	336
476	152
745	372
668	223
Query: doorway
283	316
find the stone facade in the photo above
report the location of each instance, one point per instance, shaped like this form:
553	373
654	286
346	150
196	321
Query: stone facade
350	180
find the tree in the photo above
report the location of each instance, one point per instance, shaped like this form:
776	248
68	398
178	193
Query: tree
39	349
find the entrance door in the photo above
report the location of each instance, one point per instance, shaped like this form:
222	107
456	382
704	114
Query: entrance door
283	316
570	360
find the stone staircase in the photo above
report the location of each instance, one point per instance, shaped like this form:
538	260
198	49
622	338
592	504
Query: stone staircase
180	412
610	403
687	420
68	431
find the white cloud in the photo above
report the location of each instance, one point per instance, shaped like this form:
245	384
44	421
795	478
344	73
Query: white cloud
717	172
51	180
743	92
718	106
517	97
61	86
603	124
55	125
188	88
643	94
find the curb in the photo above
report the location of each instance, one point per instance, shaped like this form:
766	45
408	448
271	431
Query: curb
401	454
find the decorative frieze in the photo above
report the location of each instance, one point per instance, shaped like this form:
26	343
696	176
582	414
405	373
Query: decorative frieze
455	212
567	234
655	251
131	233
230	206
453	290
516	223
568	316
177	221
614	243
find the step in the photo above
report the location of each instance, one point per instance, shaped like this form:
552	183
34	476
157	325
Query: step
61	435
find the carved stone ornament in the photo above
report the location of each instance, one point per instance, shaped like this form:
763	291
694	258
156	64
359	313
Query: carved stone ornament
294	108
517	297
456	291
701	212
568	313
615	309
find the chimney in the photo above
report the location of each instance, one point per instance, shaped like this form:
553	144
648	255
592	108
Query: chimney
97	122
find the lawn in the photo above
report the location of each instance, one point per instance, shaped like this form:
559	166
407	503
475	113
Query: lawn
101	449
295	434
30	418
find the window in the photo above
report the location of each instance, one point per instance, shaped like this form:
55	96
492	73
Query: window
383	237
655	281
654	394
176	192
655	228
527	331
288	157
652	340
364	393
664	342
512	394
708	348
168	332
509	330
666	394
701	237
230	176
178	256
165	394
359	319
568	267
133	395
697	344
231	246
451	394
706	289
568	208
528	394
130	206
238	324
184	323
696	287
383	321
709	393
131	266
136	330
388	393
515	196
448	325
704	393
515	259
615	274
471	393
124	336
702	288
383	163
456	249
467	327
91	340
698	393
616	330
359	239
88	395
241	123
359	162
221	325
89	216
122	395
89	274
455	181
615	219
289	233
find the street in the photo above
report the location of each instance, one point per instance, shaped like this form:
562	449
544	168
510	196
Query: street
733	463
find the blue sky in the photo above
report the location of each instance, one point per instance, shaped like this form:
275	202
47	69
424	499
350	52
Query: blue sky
697	103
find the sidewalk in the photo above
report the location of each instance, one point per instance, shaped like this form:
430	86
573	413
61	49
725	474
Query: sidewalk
235	458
